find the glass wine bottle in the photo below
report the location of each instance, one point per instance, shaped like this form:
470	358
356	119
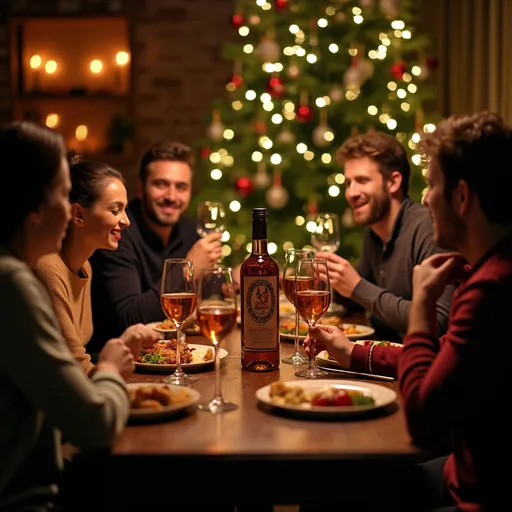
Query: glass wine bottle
259	276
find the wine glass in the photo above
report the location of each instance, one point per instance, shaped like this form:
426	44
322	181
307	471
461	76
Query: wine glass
312	300
178	298
211	218
291	258
216	316
326	236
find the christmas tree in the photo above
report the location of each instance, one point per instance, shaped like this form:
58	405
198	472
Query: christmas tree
306	75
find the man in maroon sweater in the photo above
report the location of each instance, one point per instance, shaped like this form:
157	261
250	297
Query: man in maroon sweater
459	390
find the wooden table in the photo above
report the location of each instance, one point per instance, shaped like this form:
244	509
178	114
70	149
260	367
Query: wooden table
364	462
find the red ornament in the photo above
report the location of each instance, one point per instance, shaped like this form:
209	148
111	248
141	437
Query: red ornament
432	63
398	69
304	114
244	186
205	152
275	87
281	5
260	127
237	20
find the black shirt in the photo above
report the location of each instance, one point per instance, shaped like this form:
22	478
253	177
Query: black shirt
126	282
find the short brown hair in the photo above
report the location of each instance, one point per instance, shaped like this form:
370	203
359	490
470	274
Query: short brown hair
383	149
172	151
475	148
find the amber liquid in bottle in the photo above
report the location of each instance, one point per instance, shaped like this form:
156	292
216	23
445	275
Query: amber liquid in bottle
259	276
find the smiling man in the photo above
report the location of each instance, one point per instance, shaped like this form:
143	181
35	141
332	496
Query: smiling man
398	236
126	282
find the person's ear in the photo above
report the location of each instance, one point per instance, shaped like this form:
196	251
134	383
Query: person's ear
77	214
394	182
462	198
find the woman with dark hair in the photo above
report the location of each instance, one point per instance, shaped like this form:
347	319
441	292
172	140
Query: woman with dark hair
98	216
43	390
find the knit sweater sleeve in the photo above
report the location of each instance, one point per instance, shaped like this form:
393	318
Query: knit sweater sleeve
67	307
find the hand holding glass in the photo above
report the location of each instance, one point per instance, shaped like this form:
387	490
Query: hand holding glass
291	259
178	299
312	300
216	316
326	236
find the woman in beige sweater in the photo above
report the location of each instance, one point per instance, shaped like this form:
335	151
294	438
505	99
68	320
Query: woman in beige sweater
43	390
98	200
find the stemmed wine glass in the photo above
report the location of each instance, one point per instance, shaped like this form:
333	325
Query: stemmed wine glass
211	218
178	298
312	300
216	316
291	258
326	236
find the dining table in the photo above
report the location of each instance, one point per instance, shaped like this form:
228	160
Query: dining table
256	454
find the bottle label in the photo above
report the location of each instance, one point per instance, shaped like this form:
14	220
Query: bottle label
261	313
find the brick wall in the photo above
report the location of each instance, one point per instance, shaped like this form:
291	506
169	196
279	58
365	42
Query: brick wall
176	67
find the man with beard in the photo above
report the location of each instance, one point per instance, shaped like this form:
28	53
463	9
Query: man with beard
126	282
398	236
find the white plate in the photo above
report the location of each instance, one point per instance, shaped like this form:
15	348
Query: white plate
323	357
364	331
169	333
383	396
194	365
167	410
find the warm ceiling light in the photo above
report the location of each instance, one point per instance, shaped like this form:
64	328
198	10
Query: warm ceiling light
81	132
96	66
122	58
35	61
52	120
50	67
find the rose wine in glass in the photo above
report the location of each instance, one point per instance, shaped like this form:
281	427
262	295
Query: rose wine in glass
290	284
326	236
312	301
178	298
216	316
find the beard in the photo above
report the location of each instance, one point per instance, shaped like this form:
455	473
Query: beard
152	215
378	209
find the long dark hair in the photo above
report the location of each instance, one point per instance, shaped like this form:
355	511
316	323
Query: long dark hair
30	159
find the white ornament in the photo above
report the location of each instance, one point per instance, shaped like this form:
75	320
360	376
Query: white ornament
425	72
336	94
261	179
352	77
285	137
269	51
277	197
293	71
318	136
215	131
390	8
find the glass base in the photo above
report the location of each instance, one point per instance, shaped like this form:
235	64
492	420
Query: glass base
217	406
297	359
180	379
310	372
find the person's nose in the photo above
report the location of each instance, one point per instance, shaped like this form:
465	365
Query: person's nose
124	221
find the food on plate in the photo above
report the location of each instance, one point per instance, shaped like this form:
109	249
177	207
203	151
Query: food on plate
156	397
164	352
285	394
287	325
167	325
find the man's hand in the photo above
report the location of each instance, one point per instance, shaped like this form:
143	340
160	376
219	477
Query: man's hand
205	253
343	276
330	338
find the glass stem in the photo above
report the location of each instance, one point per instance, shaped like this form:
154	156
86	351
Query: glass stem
178	349
312	348
217	395
297	320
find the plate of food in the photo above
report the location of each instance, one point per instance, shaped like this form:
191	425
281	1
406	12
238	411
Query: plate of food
152	401
165	331
166	327
352	331
161	357
325	397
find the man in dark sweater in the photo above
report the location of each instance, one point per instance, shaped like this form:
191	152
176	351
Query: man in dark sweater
397	237
459	391
126	282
